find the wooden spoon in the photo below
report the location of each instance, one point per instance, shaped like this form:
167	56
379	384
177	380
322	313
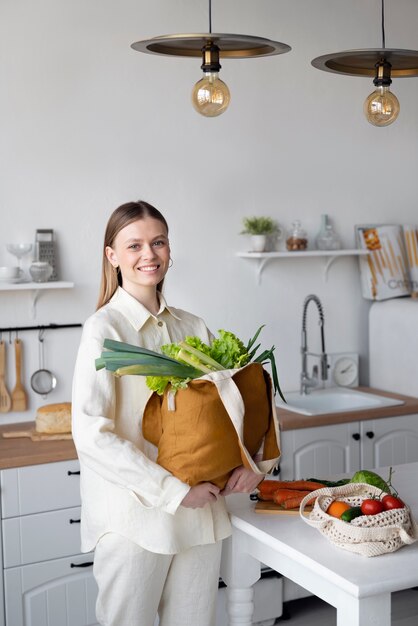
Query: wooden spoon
19	398
5	399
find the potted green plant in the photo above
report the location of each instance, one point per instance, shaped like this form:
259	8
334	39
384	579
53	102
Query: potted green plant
261	229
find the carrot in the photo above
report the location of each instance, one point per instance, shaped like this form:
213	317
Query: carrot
304	485
268	497
294	503
268	487
281	495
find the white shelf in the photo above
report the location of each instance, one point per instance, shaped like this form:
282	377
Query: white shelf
29	286
35	289
330	256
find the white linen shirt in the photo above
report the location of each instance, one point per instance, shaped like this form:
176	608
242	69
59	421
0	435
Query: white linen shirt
123	489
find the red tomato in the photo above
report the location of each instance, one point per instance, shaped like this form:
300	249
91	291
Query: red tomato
371	507
391	502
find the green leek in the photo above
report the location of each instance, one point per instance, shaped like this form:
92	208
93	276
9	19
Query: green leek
183	361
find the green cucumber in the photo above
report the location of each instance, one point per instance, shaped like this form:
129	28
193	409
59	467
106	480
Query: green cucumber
351	514
330	483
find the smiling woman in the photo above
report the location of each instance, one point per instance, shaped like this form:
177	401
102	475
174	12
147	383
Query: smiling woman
141	254
157	540
131	227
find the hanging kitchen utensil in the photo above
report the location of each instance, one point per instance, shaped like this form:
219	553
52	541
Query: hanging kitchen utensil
19	397
5	399
42	381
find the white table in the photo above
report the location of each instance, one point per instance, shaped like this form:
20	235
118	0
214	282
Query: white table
358	587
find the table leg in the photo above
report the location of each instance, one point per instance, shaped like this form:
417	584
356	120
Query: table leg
240	606
371	611
239	571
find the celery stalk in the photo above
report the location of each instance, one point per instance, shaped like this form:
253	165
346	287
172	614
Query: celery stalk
180	371
203	358
184	356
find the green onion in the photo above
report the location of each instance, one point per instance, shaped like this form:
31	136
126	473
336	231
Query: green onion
254	339
268	355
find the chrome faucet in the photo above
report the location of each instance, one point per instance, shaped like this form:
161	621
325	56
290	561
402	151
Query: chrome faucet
308	382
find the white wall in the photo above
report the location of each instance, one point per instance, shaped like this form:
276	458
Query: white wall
86	124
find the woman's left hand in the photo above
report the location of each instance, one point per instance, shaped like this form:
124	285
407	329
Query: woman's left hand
242	480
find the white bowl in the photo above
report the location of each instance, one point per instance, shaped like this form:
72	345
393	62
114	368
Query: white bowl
7	273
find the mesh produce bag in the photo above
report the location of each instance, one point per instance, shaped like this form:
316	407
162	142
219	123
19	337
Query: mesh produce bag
368	535
220	421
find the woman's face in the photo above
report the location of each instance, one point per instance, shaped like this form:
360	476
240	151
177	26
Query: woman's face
142	252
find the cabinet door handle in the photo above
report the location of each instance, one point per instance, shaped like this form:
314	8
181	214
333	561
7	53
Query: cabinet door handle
86	564
356	436
69	473
370	434
75	521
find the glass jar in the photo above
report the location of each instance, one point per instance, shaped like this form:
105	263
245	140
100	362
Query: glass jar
297	238
327	238
322	229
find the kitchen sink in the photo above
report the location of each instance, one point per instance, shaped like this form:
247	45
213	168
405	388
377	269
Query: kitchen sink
334	400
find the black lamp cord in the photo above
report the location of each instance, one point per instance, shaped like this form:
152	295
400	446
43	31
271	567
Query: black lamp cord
383	25
210	16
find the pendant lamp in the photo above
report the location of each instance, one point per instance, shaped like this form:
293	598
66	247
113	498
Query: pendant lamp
381	107
210	95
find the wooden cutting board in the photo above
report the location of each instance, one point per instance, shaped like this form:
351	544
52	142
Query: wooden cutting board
35	436
275	509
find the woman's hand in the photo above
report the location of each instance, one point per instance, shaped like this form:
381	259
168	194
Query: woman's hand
199	495
242	480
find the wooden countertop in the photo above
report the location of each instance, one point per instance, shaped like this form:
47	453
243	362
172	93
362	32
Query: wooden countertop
291	421
22	452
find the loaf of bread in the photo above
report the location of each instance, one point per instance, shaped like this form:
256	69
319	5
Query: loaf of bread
54	418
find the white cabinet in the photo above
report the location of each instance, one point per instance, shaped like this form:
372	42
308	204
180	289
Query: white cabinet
389	441
50	593
324	451
46	580
320	451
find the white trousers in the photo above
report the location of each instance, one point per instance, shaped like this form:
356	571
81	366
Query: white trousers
135	585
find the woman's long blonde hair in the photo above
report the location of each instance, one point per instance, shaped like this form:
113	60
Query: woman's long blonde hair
121	217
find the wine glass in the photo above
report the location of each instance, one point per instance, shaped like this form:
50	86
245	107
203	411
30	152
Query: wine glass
19	250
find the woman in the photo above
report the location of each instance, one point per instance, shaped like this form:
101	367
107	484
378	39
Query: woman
157	540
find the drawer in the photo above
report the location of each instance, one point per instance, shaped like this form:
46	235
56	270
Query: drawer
38	488
40	537
56	592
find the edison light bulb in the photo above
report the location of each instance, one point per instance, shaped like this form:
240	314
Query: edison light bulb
210	95
382	107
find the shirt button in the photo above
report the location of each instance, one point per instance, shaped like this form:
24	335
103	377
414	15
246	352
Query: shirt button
160	323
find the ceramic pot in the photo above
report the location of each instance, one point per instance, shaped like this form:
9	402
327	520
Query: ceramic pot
258	243
40	271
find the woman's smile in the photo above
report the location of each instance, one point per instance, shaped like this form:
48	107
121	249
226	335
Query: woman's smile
141	251
148	268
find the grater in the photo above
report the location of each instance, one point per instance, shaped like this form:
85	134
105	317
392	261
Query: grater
45	247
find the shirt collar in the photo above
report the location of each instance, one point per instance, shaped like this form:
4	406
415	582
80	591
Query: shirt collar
134	311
